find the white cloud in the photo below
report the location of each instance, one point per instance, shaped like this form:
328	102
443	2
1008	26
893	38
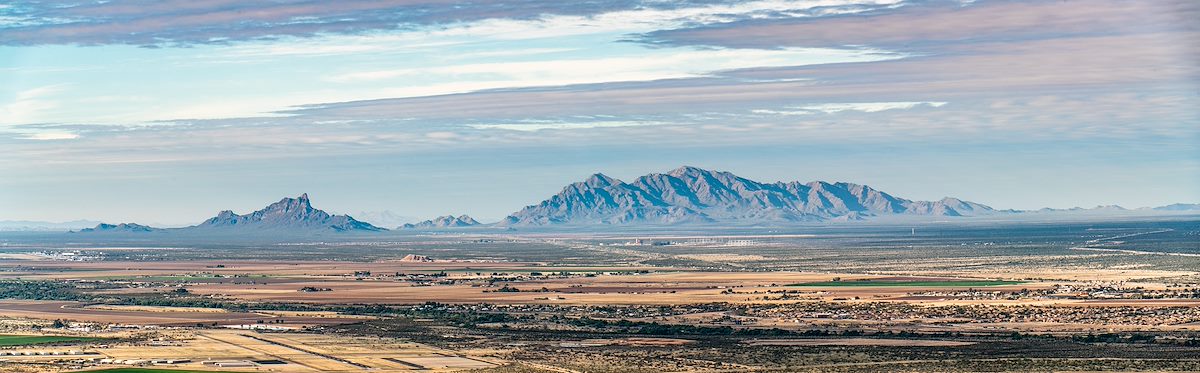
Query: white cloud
655	65
28	105
640	20
866	107
43	91
51	136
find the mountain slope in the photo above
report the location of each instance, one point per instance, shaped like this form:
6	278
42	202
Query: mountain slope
287	214
1179	207
602	199
692	195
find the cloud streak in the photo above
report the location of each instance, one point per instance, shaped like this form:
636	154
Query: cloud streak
833	108
28	104
185	22
945	24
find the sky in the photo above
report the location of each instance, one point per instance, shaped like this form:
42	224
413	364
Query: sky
165	112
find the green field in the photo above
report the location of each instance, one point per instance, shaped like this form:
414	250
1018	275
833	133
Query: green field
25	340
951	283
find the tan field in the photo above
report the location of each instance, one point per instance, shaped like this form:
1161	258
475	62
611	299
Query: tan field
141	315
295	353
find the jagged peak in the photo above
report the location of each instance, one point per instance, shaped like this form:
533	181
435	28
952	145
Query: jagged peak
600	180
688	170
302	200
818	184
693	172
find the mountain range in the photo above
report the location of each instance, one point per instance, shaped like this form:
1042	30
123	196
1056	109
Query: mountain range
120	228
287	215
34	226
686	195
447	221
694	195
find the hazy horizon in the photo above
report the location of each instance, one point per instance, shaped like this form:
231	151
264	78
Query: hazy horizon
390	218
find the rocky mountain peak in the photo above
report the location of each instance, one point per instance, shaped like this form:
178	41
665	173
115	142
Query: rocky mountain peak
683	171
288	214
599	180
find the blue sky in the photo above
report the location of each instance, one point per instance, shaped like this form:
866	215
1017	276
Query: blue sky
167	112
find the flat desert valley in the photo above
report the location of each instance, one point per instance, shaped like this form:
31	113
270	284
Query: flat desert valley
1023	296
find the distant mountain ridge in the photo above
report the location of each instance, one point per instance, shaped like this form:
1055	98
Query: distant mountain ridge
682	196
1179	207
28	225
695	195
447	221
287	214
120	228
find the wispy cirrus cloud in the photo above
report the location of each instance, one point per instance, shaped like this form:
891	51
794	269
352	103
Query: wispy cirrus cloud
424	57
651	66
982	71
832	108
182	22
25	105
944	24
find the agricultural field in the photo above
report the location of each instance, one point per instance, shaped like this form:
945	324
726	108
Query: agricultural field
28	340
935	298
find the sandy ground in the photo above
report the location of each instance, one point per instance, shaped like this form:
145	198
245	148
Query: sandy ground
297	352
52	310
